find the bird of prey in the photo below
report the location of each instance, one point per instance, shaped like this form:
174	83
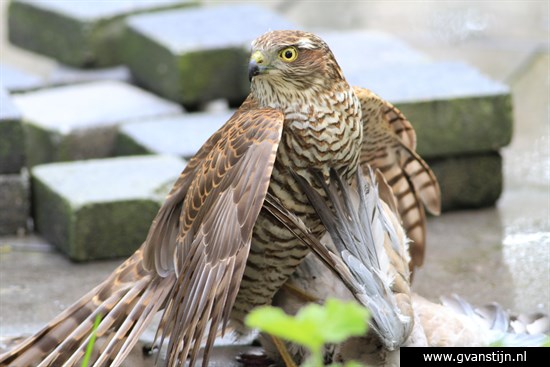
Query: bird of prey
367	257
213	251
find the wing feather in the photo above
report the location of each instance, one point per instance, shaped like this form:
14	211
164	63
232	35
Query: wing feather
389	145
222	197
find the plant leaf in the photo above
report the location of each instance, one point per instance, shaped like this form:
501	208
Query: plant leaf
343	320
275	322
313	325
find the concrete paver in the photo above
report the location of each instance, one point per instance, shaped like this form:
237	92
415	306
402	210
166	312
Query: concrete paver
102	208
179	135
196	55
78	33
12	143
14	203
79	121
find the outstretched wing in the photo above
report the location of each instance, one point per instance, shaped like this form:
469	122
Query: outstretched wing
389	144
204	235
367	250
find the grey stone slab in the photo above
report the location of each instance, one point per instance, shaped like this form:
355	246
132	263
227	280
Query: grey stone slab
79	33
14	203
359	51
101	208
470	181
63	74
80	121
178	135
17	80
9	110
452	106
196	55
12	140
461	126
427	81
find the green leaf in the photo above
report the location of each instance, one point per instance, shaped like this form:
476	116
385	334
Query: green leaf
275	322
313	325
353	364
347	364
342	320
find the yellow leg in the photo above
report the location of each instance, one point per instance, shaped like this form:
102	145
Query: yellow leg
281	347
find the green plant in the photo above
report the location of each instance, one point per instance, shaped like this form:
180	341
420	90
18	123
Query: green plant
313	326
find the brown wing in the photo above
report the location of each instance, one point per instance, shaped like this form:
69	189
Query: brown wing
389	144
161	239
209	231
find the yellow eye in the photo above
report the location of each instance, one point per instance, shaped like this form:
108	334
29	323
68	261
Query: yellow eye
288	54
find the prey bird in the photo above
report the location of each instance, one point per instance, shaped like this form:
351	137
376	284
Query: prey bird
213	251
364	255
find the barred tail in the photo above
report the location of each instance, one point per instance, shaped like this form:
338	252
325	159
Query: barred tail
126	302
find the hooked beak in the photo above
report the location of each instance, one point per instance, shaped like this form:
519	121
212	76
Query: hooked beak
257	65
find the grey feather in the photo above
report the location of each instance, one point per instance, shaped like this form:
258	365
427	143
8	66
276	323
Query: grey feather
357	226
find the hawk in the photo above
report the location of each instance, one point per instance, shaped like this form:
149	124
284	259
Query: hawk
213	251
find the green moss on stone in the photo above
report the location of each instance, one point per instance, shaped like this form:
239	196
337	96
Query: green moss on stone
461	126
14	203
50	33
12	146
471	181
126	145
53	215
41	145
107	230
212	74
103	208
95	230
73	40
156	69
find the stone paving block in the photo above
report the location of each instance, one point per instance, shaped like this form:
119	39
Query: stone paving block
359	51
178	135
101	208
453	107
14	203
469	181
78	33
464	125
17	80
196	55
12	142
80	121
63	75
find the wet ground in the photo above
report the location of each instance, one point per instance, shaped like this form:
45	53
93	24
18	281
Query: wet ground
497	254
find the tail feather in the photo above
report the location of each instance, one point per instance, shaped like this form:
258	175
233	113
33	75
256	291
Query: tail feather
126	303
32	350
134	325
389	144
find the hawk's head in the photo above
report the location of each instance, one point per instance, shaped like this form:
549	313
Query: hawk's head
286	61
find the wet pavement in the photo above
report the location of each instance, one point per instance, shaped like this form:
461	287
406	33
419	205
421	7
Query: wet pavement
497	254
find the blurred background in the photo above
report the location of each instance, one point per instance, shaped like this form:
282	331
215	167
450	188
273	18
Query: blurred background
492	252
